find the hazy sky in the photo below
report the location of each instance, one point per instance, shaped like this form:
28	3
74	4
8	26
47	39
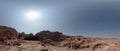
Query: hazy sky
100	18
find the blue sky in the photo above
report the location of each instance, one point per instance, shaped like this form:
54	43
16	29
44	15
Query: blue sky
96	18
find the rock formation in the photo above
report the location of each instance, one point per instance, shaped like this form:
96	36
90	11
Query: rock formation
76	42
8	35
8	32
26	36
49	37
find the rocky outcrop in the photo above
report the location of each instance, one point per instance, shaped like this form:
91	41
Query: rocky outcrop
76	42
99	46
7	34
48	37
25	36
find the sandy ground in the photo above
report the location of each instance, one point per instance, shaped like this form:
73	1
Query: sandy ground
106	45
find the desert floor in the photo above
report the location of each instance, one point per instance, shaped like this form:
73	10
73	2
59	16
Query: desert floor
100	45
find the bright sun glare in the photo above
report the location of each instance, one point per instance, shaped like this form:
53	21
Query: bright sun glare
32	15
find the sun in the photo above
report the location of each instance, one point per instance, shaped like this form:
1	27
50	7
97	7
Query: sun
32	15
